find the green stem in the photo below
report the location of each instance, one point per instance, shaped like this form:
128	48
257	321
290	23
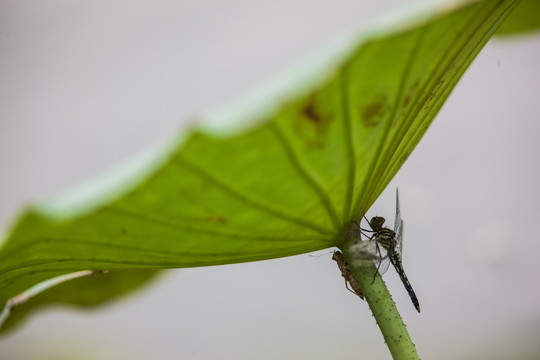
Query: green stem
383	308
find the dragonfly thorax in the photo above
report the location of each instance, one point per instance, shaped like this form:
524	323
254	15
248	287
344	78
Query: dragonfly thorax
383	236
386	238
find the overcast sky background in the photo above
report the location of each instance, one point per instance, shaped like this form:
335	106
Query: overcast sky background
86	86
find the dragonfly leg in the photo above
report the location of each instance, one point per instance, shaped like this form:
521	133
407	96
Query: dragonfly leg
366	230
379	265
366	235
362	230
360	226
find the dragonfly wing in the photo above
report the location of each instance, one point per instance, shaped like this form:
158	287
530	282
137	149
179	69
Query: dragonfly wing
399	239
383	260
384	264
397	220
398	227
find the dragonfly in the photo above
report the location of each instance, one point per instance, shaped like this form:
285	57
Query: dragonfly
384	246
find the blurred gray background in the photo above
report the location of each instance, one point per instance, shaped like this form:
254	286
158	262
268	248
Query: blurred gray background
86	86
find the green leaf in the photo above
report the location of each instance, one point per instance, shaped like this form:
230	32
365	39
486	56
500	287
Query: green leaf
289	184
525	18
81	292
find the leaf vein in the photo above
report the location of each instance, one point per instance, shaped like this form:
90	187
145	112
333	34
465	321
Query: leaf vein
305	174
228	189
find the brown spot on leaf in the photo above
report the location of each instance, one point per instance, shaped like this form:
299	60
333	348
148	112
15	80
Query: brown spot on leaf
406	101
411	93
310	114
373	113
217	219
311	124
405	156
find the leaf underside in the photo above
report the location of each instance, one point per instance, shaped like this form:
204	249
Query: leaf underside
289	185
525	19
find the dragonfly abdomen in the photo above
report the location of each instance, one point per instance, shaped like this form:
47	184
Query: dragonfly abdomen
398	265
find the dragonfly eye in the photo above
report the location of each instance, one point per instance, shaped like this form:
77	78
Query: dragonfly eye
376	222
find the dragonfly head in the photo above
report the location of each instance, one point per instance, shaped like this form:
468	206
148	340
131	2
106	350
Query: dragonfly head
376	223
